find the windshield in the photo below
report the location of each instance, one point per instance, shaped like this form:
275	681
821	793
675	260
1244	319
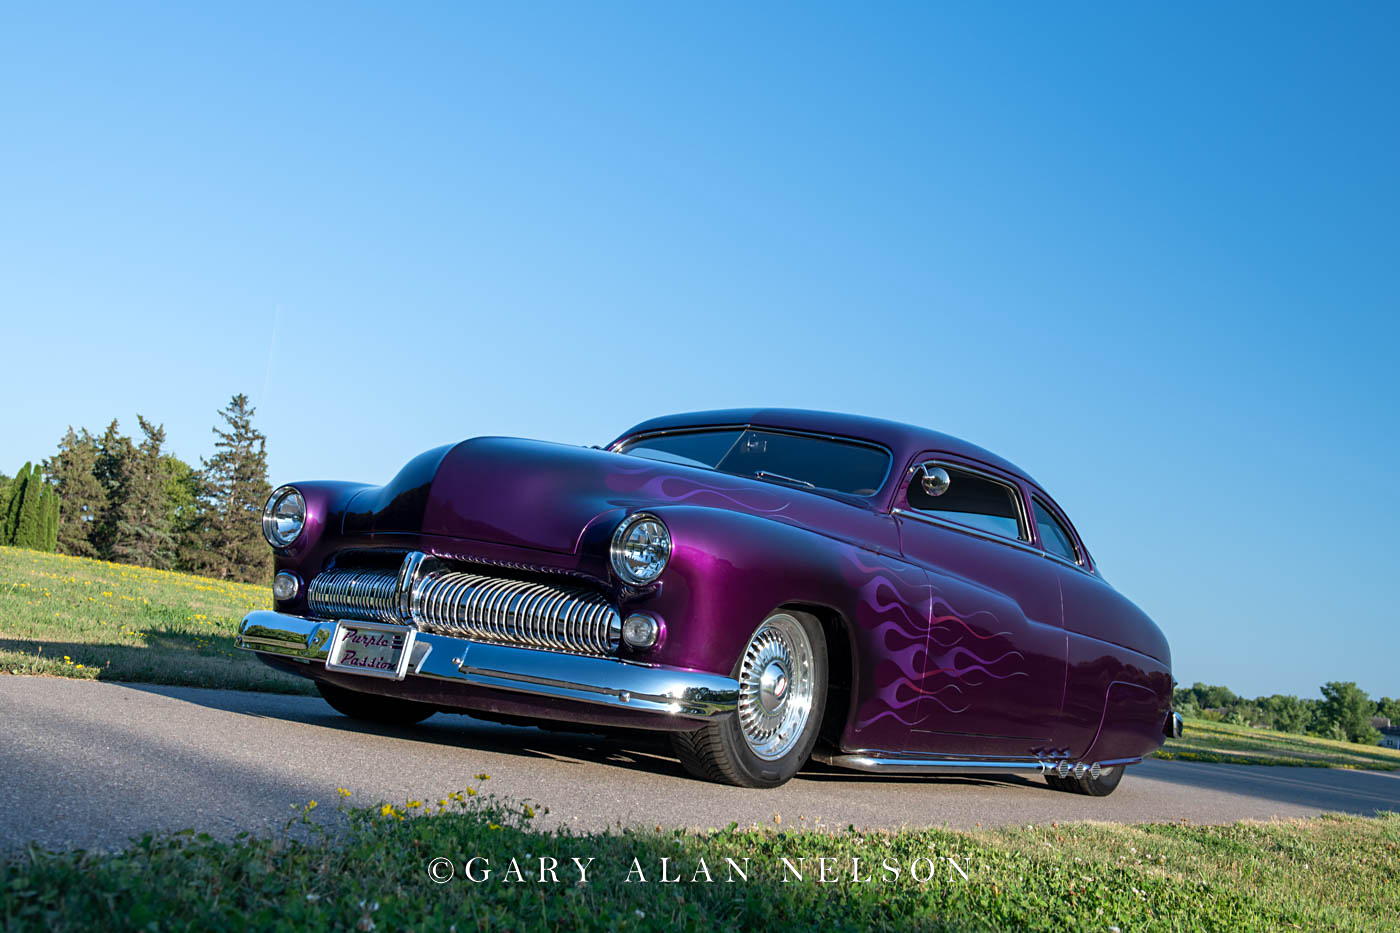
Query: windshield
791	459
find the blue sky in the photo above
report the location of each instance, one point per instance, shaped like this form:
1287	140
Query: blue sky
1151	257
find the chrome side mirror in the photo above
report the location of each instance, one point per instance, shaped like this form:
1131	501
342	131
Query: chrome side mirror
934	479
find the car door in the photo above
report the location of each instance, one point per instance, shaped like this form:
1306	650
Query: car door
994	672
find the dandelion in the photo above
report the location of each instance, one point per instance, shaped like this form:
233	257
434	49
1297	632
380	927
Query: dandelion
386	810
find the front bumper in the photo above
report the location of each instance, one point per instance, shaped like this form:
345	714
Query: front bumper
621	685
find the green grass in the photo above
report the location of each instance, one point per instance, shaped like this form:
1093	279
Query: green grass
371	872
1204	740
72	617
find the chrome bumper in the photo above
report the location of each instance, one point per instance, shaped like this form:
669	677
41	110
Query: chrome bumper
601	681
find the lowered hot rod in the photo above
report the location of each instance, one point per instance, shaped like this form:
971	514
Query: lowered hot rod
765	586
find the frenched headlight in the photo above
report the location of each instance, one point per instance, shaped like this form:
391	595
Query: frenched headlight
641	546
284	516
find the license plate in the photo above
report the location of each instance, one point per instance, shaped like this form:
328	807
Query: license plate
371	648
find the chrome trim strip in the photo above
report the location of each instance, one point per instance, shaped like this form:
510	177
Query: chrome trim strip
600	681
968	529
882	765
892	764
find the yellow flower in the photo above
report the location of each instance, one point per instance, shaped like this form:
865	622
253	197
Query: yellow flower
342	792
311	805
471	792
493	826
415	804
386	810
483	777
529	811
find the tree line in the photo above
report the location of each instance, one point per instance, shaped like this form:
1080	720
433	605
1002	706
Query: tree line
1344	712
118	498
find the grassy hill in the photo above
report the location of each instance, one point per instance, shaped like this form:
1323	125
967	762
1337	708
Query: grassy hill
74	617
1204	740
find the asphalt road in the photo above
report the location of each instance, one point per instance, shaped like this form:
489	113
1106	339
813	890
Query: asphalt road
91	765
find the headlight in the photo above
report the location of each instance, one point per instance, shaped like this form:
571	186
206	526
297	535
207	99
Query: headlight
641	546
283	516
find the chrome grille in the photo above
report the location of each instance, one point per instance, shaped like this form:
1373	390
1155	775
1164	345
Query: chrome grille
368	595
552	616
516	612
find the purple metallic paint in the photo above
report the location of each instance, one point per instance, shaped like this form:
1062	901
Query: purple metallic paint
958	645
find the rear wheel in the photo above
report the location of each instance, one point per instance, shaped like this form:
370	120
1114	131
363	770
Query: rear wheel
372	707
782	692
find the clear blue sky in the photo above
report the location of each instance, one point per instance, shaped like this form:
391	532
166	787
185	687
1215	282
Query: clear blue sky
1151	256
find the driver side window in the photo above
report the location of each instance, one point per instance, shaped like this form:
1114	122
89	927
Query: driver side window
965	498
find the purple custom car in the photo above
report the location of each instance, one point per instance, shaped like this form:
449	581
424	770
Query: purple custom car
766	586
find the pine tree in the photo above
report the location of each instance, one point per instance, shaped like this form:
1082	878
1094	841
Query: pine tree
182	492
48	518
29	531
12	508
142	516
112	468
74	473
55	512
227	541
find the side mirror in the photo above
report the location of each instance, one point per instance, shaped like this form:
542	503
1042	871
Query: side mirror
934	479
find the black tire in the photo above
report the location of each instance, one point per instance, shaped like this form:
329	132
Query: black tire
1101	786
722	751
372	707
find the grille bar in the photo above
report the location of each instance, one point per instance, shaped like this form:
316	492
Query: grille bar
516	612
367	595
500	610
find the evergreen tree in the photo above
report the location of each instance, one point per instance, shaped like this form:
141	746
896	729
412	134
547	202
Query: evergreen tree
141	517
182	492
47	516
112	468
227	541
29	531
74	472
11	516
55	512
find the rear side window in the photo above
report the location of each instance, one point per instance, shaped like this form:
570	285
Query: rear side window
969	499
1054	536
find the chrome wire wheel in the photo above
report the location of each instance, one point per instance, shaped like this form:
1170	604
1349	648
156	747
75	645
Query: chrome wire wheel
776	686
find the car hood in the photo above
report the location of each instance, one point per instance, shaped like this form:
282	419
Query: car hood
544	496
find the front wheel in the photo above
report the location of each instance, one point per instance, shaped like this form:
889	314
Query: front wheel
782	692
371	707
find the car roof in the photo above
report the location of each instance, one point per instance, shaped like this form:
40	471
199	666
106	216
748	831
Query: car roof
903	440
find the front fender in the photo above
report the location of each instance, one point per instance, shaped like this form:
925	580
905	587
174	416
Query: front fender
729	570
